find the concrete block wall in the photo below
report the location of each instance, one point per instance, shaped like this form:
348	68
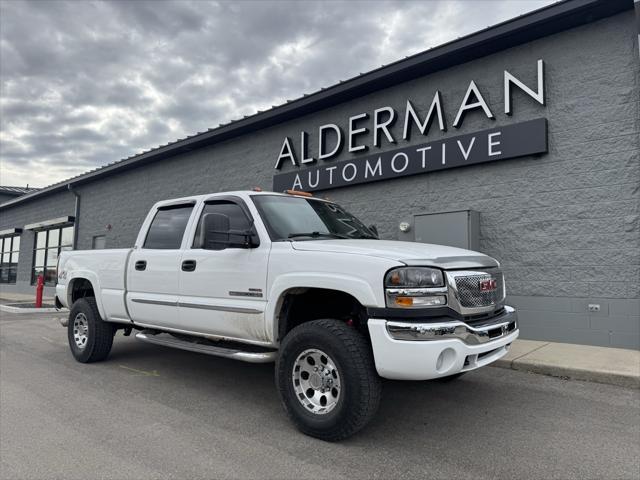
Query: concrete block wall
564	225
569	320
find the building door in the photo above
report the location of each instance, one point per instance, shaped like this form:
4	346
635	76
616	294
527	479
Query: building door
223	292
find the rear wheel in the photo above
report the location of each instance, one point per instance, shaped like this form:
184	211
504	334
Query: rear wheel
90	337
327	380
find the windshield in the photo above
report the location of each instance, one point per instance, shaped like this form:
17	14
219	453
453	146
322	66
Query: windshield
298	218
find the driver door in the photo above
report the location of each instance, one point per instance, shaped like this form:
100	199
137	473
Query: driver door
223	292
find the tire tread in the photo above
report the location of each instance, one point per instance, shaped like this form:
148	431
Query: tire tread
103	332
359	351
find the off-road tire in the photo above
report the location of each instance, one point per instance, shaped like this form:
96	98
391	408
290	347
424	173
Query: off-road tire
99	333
360	385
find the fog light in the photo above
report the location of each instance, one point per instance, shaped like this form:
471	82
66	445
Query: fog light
445	360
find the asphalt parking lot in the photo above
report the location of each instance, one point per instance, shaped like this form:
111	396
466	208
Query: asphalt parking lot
151	412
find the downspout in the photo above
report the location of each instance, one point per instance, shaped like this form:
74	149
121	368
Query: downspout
76	215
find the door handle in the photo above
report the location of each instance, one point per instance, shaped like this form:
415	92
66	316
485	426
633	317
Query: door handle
188	265
141	265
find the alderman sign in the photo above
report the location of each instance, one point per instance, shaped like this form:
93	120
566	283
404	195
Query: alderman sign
501	143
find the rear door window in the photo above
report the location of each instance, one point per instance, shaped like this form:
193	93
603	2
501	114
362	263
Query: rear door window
168	226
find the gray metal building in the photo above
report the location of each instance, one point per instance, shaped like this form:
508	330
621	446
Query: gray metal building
529	131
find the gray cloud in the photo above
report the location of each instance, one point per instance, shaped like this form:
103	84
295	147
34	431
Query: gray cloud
83	84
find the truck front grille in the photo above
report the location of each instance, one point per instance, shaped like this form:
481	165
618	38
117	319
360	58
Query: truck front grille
470	293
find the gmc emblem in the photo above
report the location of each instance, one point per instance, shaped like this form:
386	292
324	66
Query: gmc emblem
488	285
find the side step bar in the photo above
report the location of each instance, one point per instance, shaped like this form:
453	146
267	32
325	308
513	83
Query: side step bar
202	346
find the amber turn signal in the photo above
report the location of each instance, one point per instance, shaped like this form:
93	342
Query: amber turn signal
404	301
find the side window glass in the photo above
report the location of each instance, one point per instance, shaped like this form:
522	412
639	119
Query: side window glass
238	220
167	227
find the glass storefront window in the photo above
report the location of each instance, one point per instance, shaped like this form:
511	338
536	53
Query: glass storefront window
48	245
66	236
9	254
54	238
41	239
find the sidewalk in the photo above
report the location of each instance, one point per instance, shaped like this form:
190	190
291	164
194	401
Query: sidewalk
24	303
615	366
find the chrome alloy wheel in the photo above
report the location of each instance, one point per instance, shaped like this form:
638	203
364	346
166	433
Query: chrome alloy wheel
81	330
316	381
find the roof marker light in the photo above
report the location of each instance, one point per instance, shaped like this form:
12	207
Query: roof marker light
299	193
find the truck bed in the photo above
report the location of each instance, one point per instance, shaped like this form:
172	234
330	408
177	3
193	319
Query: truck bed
106	269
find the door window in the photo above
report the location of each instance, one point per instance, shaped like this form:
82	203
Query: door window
168	226
238	220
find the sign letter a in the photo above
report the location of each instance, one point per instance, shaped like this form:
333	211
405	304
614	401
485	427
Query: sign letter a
286	152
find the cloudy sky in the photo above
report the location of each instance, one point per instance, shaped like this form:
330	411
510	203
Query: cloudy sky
85	83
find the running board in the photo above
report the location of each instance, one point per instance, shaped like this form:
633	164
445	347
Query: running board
203	346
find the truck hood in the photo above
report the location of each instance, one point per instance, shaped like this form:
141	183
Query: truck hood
409	253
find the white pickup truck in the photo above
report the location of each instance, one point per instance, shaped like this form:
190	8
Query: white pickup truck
262	277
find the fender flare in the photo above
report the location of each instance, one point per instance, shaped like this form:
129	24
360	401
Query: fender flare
354	286
92	278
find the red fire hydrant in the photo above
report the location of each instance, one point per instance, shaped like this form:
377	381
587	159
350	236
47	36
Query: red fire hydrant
39	290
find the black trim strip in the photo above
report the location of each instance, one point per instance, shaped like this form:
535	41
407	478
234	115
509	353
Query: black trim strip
155	302
253	311
220	308
431	314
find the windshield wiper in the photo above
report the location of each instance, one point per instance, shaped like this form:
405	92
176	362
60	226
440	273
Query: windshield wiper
317	234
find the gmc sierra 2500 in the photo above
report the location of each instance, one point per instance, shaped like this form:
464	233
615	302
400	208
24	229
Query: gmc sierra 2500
262	277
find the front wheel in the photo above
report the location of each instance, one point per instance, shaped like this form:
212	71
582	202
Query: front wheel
327	380
90	337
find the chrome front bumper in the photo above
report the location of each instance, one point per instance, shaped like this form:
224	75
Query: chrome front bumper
480	333
422	351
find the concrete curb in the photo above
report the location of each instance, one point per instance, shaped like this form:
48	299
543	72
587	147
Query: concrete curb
613	366
9	309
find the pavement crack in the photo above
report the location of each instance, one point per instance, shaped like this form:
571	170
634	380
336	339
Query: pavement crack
525	354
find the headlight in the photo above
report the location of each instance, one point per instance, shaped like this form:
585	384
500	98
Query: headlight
415	287
412	277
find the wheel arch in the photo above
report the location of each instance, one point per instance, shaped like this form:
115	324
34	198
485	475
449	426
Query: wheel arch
343	291
84	285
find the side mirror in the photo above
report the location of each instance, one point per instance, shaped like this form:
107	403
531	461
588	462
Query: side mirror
374	229
216	234
215	231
